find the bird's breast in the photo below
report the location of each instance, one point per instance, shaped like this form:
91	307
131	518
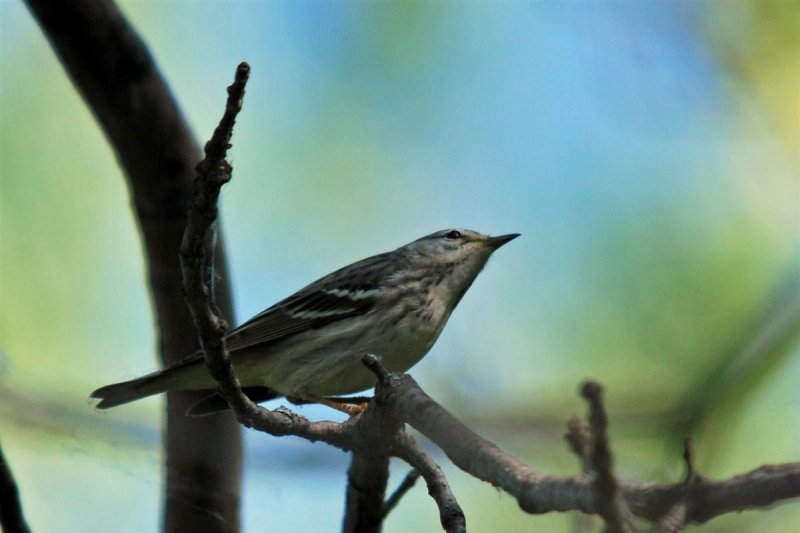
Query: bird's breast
413	334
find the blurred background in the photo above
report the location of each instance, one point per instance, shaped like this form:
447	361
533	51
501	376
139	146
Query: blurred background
647	151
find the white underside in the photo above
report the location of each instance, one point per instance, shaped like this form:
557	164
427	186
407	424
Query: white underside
328	361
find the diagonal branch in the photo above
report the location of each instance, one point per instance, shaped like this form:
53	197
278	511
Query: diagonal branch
402	489
450	514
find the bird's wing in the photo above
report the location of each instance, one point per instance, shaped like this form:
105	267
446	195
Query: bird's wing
282	320
348	292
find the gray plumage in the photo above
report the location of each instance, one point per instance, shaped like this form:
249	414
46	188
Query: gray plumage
393	305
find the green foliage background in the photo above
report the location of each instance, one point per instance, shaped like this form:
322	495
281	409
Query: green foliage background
647	152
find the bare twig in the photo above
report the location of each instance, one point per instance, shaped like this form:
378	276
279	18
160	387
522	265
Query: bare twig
674	520
578	440
12	519
197	247
197	251
688	458
116	75
537	492
450	514
406	485
609	504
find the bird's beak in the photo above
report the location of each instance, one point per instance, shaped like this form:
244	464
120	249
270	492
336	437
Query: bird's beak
497	242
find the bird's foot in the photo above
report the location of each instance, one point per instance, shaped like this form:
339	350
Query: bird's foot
350	406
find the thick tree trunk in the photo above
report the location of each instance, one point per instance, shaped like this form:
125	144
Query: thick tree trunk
115	73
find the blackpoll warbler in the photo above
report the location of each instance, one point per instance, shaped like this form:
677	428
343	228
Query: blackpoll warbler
311	344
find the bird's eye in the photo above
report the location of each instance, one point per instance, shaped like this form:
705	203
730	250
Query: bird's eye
453	235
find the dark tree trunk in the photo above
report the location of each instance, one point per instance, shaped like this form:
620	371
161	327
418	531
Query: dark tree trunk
115	73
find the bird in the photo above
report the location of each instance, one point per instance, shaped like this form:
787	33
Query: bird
310	345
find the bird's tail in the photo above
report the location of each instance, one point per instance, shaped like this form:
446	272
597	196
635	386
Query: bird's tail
177	377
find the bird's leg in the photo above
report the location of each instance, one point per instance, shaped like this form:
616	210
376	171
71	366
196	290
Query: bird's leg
350	406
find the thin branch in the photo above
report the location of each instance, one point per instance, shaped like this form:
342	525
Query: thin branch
12	519
609	504
578	439
196	254
537	492
450	514
675	519
197	247
406	485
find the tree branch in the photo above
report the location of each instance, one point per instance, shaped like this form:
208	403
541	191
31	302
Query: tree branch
610	506
374	434
537	492
450	514
199	238
578	440
366	486
406	485
115	74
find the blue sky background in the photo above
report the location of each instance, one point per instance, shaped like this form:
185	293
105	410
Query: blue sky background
642	149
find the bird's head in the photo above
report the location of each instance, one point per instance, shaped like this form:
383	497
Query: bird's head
454	257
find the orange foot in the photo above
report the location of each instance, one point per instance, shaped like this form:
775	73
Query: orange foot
350	406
